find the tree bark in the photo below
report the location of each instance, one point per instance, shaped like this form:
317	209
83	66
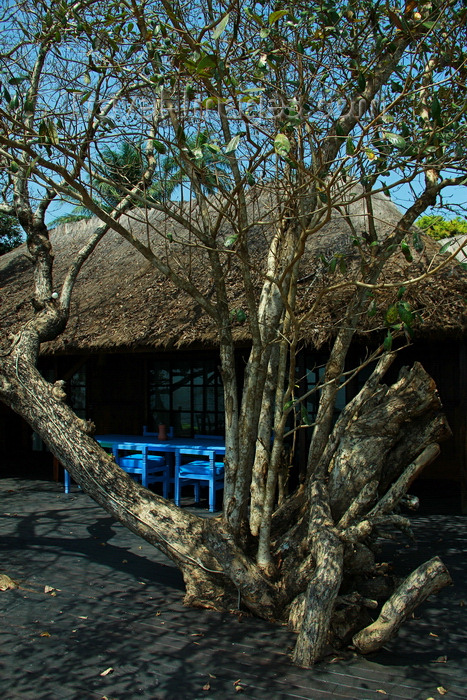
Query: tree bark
375	429
429	578
320	597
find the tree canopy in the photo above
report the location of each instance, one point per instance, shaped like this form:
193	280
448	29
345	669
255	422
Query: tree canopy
10	233
118	170
278	118
438	227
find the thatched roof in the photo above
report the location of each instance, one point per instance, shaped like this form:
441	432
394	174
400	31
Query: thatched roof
122	302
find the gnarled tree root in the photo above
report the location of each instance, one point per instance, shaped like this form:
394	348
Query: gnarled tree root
429	578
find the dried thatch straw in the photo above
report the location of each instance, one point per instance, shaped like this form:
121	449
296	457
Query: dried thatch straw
122	302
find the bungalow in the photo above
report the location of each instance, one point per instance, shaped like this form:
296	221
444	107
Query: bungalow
138	351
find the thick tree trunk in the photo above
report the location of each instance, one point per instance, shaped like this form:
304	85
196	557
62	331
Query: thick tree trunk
375	430
321	552
355	498
320	597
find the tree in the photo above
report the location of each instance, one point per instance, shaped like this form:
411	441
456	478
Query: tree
10	233
436	226
314	107
123	168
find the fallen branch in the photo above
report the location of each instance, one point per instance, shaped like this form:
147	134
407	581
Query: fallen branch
429	578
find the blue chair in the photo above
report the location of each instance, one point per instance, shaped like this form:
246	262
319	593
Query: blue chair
66	481
147	467
197	472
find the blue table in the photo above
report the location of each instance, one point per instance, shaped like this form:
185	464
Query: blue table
174	447
170	446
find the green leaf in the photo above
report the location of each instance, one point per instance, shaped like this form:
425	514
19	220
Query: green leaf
395	139
159	147
361	82
241	315
417	242
233	144
28	108
276	16
396	20
282	145
14	104
401	291
435	109
249	178
17	81
32	165
405	313
206	63
219	29
48	132
210	103
392	315
85	97
349	147
252	15
339	129
231	240
445	248
406	252
305	416
387	345
372	309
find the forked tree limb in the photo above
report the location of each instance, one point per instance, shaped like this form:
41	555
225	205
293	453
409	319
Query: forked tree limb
429	578
372	435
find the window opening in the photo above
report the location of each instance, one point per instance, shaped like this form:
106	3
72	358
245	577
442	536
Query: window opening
188	395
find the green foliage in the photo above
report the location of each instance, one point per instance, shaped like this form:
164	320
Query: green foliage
438	228
10	234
